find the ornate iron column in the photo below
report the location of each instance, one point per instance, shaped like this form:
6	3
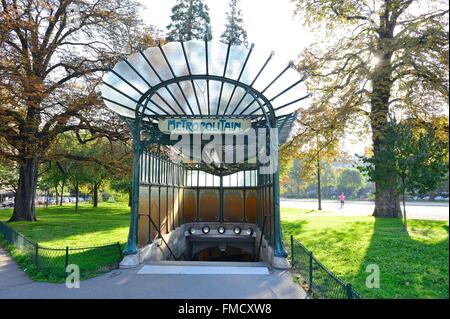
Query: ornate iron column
131	247
279	249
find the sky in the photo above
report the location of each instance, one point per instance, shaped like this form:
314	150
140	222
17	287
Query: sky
270	24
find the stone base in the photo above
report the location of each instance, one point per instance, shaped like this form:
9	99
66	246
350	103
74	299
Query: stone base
130	261
280	263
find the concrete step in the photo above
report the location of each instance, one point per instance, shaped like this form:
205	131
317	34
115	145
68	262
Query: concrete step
203	268
208	263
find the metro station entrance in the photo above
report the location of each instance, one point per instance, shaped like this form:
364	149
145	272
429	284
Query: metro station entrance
207	120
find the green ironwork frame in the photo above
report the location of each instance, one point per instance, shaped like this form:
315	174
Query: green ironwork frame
142	119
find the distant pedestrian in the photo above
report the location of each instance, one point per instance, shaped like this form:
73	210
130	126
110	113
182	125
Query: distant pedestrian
342	199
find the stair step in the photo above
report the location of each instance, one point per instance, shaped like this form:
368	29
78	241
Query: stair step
208	263
177	269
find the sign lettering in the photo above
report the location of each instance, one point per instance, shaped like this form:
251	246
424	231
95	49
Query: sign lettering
192	126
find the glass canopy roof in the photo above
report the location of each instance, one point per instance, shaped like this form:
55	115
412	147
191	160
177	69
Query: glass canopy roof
203	79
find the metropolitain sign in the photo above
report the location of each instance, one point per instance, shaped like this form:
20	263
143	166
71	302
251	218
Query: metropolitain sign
213	126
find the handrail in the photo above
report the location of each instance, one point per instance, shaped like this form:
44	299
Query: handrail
261	237
168	247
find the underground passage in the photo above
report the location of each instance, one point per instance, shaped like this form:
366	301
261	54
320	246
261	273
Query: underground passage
207	120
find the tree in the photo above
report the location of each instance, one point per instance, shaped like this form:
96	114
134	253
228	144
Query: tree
53	178
71	168
124	186
8	175
294	176
415	157
78	160
313	150
190	20
101	166
350	181
234	33
328	179
50	68
377	57
298	176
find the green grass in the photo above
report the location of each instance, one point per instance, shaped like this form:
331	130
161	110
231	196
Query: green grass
61	226
58	227
412	265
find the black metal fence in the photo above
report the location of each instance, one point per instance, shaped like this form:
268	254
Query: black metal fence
320	282
51	263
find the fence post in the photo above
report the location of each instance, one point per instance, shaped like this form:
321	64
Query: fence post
349	291
120	250
67	258
310	271
36	257
292	251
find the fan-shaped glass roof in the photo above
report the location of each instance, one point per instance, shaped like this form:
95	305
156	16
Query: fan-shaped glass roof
204	79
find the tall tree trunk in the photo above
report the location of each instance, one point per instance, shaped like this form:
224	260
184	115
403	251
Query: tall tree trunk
46	199
405	224
129	198
190	20
387	203
62	194
319	195
24	208
56	195
77	193
95	195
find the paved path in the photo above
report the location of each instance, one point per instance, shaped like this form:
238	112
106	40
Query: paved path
414	210
11	276
126	283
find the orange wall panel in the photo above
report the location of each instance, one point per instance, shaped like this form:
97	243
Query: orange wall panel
154	208
143	216
163	210
233	209
209	205
170	207
176	207
190	205
251	205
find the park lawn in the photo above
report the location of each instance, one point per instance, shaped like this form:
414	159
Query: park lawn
413	265
61	226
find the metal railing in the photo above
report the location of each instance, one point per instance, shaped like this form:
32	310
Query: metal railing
51	263
319	281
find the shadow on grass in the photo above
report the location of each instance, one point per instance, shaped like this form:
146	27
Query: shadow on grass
409	268
292	227
412	265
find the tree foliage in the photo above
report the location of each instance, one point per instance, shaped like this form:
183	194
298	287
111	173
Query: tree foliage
377	57
350	182
8	174
415	156
190	20
50	67
235	33
87	165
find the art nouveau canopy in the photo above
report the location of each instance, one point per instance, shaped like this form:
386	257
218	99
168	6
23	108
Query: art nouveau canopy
168	87
204	79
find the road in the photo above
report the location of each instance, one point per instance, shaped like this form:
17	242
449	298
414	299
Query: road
414	210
